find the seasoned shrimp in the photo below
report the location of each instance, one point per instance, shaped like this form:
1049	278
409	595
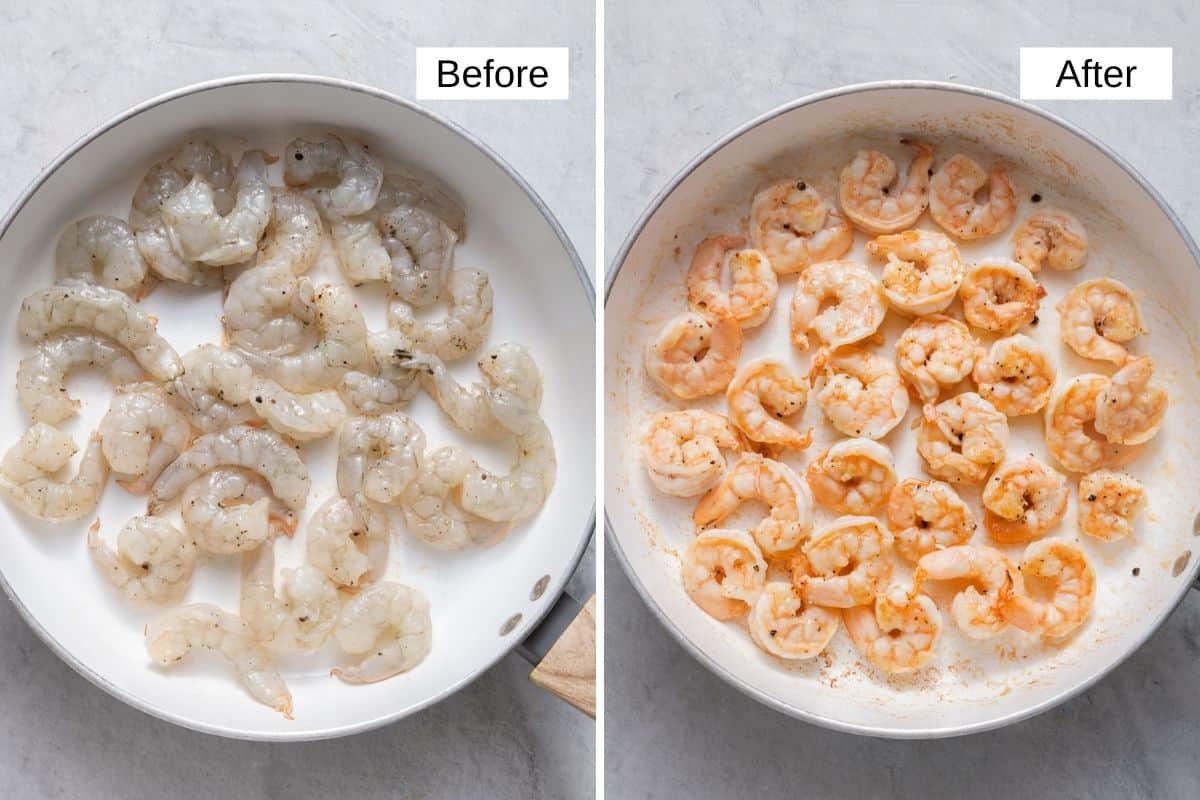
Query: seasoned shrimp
432	503
214	389
1001	296
1023	500
927	515
839	300
391	384
421	247
849	561
175	633
378	456
1053	238
934	353
977	609
1058	588
723	572
387	624
76	303
524	489
962	438
791	223
464	327
784	625
1097	317
754	478
692	358
27	470
231	510
103	247
1109	504
923	271
141	434
1071	437
344	544
153	562
1132	406
199	231
899	633
302	417
41	376
342	178
762	394
952	199
300	617
682	450
853	476
874	198
862	393
1015	375
752	283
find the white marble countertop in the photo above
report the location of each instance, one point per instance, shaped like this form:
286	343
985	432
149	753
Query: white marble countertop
679	75
69	66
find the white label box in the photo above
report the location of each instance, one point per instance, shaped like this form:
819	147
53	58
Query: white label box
493	73
1096	73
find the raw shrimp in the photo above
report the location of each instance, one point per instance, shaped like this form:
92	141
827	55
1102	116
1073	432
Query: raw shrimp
300	617
346	545
753	285
342	178
849	561
839	300
873	197
784	625
103	247
524	489
899	633
692	358
754	478
200	232
962	438
231	510
378	456
952	204
1070	434
862	393
76	303
141	434
977	608
41	376
933	353
175	633
923	270
927	515
27	469
682	450
762	394
1109	503
432	503
261	451
1015	375
1051	237
302	417
791	223
1023	500
464	327
214	389
1131	408
723	572
358	243
853	476
389	625
153	562
390	384
1001	296
421	247
1097	317
1058	588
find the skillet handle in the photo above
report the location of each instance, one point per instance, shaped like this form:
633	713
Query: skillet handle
563	652
1196	582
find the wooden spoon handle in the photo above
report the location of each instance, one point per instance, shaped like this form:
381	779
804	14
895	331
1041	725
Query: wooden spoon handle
569	669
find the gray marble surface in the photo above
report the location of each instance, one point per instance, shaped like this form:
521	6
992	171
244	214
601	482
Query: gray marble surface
677	77
68	66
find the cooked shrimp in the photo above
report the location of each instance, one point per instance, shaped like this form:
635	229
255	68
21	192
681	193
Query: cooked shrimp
378	456
27	470
752	283
76	303
791	223
465	325
153	562
850	562
1097	317
861	393
839	300
952	204
853	476
692	358
342	545
1023	500
682	450
723	572
962	438
1109	504
1059	586
175	633
785	626
141	434
41	376
1001	296
934	353
1015	375
231	510
874	198
302	417
762	394
1051	237
927	515
899	633
754	478
923	270
977	608
1070	427
1131	408
523	490
300	617
199	231
103	247
388	624
355	174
